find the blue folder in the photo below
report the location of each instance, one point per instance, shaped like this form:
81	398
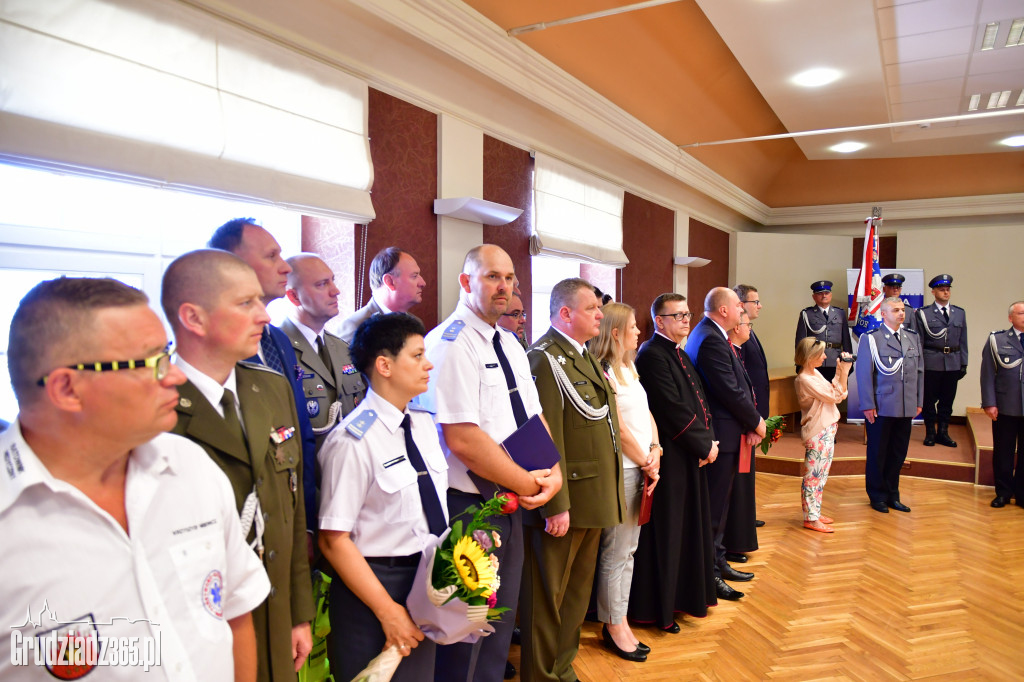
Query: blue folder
531	446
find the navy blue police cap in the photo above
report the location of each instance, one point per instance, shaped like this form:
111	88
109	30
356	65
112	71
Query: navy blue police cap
821	285
894	279
941	281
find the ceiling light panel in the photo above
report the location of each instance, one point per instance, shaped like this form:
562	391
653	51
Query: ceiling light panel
1016	35
988	41
1015	141
814	78
975	101
847	147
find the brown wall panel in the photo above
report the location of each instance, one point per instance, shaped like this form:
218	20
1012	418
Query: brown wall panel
713	244
648	236
403	144
886	251
508	180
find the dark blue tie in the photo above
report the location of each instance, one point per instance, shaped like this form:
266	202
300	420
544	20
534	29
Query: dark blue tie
428	493
518	409
271	353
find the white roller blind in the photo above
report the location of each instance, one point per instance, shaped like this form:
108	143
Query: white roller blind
576	214
160	92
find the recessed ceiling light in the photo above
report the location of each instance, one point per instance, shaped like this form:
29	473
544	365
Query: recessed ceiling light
847	147
975	101
1020	100
988	41
1015	141
813	78
1016	35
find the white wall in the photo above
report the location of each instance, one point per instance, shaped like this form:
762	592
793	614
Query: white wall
782	267
460	167
985	263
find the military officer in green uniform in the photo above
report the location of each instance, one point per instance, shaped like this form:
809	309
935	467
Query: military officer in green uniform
562	537
328	375
244	416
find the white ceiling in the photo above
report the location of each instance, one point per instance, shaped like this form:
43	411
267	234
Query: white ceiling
900	60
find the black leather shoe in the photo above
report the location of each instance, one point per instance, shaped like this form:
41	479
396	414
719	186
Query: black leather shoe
643	648
942	438
1000	502
671	629
929	438
899	506
730	573
758	523
735	558
726	592
879	506
635	655
517	635
510	670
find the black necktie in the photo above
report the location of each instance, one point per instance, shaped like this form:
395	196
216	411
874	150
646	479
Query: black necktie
321	350
945	315
271	353
518	409
234	426
428	493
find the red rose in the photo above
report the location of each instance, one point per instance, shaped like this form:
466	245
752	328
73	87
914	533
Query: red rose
509	502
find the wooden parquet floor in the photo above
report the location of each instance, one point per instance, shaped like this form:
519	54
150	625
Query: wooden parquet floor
936	594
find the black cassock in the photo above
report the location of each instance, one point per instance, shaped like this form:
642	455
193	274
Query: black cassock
740	532
674	562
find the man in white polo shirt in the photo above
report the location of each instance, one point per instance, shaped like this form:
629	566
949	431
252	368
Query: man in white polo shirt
99	555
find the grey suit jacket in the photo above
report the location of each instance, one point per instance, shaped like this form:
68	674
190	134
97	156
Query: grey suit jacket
938	353
896	394
351	323
1003	387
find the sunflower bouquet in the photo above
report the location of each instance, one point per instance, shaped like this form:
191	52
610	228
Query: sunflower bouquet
456	586
773	427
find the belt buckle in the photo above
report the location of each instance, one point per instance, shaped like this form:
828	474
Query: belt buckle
945	350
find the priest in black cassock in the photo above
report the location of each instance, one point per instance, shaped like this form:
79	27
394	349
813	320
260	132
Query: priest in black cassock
674	562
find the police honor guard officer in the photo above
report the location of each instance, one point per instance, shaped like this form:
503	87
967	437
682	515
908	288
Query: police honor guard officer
1002	397
890	377
892	285
827	324
943	330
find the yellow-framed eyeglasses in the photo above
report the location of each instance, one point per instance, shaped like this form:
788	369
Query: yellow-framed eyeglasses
159	363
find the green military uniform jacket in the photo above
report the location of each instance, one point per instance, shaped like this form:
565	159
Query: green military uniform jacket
591	461
322	386
274	469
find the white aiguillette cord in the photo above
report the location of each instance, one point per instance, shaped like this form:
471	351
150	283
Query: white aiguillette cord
882	369
567	390
927	329
995	354
332	418
252	513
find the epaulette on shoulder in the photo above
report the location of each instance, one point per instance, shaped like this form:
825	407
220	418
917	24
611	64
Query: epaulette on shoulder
361	424
453	330
908	329
259	366
542	345
334	336
416	407
872	331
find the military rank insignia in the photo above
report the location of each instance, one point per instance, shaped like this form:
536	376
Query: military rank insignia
313	407
281	434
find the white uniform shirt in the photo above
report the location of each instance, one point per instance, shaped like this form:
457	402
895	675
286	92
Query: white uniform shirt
631	398
369	487
184	567
467	384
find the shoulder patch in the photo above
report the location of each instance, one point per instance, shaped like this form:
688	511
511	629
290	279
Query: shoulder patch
908	329
453	330
259	366
361	424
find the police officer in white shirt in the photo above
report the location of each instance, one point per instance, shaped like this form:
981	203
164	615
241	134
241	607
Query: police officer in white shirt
474	404
97	545
383	483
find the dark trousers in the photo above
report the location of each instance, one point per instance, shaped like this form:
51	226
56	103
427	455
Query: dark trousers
940	388
893	437
484	660
1007	441
356	635
558	574
873	483
721	474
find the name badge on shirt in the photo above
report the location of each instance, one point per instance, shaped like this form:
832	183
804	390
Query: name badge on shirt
491	365
392	462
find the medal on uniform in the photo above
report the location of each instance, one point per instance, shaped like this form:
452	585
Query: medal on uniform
313	407
281	434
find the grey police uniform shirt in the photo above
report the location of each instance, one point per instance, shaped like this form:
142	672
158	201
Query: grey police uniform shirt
945	344
1002	373
890	376
833	330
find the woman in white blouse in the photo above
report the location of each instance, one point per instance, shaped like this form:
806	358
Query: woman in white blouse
819	402
615	347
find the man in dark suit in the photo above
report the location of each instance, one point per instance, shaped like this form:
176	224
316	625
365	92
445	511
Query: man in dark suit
731	399
826	323
258	248
328	375
243	415
561	541
890	378
943	330
674	562
741	532
1002	397
396	285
